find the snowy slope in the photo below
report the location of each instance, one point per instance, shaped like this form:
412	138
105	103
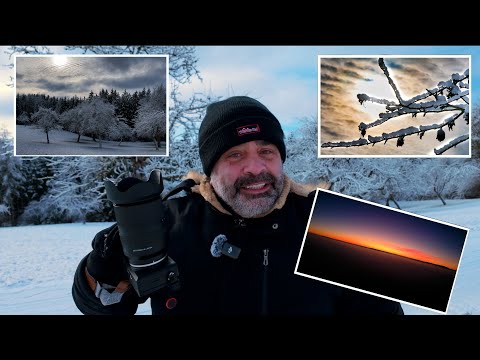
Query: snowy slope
33	141
38	262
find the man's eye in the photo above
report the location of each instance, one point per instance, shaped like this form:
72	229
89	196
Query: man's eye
266	151
234	155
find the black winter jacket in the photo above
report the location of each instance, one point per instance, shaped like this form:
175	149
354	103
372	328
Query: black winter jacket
260	282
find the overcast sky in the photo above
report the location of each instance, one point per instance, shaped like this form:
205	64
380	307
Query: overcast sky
78	75
340	112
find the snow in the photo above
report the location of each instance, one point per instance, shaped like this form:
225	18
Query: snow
394	134
452	143
358	142
33	141
38	262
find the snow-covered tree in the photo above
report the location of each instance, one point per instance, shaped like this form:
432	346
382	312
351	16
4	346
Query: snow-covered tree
379	180
476	132
443	178
126	107
98	117
47	120
74	192
23	119
151	124
302	164
11	181
449	96
121	131
151	119
36	172
174	168
4	210
73	120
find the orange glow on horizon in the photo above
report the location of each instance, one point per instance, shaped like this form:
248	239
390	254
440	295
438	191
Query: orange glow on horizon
382	245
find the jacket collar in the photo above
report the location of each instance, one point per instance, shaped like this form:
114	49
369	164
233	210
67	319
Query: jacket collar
205	189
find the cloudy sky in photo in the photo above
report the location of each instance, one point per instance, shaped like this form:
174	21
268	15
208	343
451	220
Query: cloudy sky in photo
78	75
341	79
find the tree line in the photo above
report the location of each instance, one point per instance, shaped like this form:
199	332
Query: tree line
126	104
108	115
45	190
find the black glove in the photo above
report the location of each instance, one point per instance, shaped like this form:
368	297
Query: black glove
107	263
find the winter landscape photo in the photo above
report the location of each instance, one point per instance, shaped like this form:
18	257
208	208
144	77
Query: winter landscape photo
91	105
401	106
376	249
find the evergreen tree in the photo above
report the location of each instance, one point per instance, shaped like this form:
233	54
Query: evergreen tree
11	182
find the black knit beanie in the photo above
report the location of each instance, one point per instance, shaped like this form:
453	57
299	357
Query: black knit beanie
234	121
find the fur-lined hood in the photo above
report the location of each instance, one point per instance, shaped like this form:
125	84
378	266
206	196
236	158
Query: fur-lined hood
204	188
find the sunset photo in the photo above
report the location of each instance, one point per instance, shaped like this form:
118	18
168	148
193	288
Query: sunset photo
395	106
383	251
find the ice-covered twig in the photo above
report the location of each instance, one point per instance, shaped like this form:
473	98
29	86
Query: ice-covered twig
383	117
382	65
451	144
364	97
395	134
359	142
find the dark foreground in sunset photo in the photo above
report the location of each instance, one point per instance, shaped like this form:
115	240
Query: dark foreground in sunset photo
377	271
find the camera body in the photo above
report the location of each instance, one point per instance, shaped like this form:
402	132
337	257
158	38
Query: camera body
143	225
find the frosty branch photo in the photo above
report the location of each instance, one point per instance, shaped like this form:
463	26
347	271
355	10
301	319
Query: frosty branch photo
412	102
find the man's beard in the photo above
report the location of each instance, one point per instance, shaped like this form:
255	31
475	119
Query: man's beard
249	205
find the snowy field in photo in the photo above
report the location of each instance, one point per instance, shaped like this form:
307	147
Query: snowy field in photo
38	262
30	140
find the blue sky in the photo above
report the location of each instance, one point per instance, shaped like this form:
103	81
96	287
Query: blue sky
284	78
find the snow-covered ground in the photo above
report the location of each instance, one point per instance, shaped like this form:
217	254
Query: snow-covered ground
38	262
30	140
37	267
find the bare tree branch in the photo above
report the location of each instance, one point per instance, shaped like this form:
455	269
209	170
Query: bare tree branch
442	102
451	144
359	142
33	50
449	122
382	65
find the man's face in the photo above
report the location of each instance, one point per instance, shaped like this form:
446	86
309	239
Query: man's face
249	177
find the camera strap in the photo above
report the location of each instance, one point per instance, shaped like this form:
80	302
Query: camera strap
185	185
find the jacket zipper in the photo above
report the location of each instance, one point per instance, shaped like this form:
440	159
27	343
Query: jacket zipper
265	283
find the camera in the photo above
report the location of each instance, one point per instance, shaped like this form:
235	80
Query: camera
143	225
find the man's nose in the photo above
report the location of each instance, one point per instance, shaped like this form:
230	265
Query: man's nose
254	165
